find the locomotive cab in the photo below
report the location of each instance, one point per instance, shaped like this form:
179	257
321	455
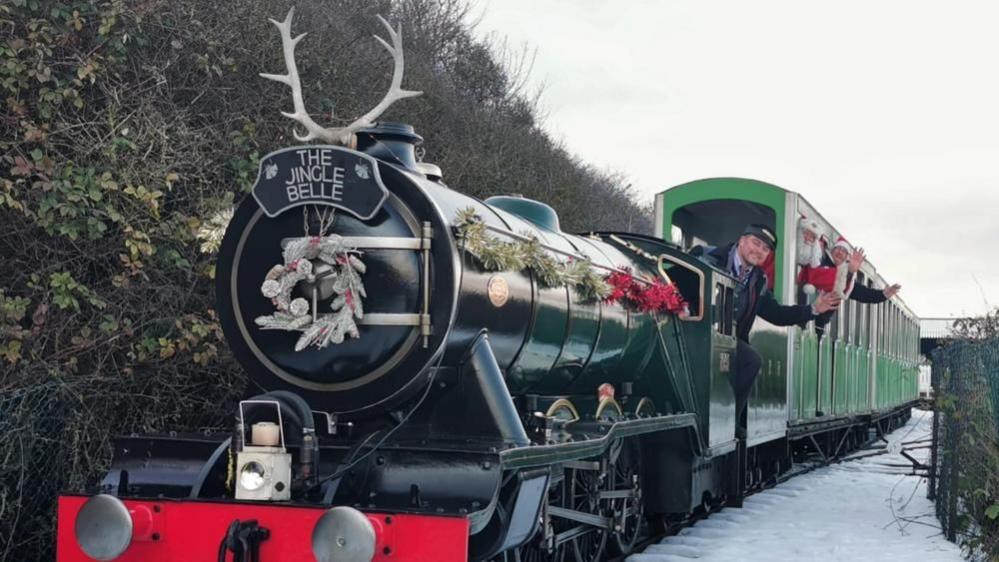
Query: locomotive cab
714	212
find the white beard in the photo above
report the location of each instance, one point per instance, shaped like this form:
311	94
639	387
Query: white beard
808	254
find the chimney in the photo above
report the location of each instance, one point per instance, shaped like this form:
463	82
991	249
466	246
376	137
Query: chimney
392	142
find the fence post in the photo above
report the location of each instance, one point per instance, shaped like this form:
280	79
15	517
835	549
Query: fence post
931	485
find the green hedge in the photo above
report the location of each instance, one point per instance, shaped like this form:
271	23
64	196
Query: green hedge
127	128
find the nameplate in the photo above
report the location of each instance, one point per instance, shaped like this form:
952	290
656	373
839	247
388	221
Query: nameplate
319	175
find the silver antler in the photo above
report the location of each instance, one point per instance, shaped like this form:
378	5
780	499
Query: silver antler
341	135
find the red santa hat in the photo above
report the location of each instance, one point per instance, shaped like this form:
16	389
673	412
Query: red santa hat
811	225
842	244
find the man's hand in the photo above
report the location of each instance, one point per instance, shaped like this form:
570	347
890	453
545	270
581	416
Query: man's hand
826	302
891	290
857	259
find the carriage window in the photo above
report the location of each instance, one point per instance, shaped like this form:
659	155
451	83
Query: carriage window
904	340
878	327
889	326
892	328
887	330
899	335
868	318
886	350
718	319
834	328
847	311
860	312
730	310
908	339
724	310
882	328
859	325
891	331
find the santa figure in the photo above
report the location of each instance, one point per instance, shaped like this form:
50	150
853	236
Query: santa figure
834	278
843	284
809	245
809	252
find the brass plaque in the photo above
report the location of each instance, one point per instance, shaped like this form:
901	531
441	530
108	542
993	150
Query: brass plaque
498	291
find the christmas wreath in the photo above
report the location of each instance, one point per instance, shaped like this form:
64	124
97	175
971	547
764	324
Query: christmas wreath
345	267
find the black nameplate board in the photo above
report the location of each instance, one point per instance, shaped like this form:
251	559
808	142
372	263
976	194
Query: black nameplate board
319	175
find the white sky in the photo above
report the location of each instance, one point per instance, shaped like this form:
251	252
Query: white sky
883	114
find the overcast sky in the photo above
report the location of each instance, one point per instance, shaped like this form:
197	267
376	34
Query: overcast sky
883	114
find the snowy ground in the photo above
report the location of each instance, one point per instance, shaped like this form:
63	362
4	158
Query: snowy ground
864	509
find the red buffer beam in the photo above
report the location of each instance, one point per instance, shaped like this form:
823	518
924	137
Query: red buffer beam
183	530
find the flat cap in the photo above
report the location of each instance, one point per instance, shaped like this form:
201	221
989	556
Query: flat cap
763	232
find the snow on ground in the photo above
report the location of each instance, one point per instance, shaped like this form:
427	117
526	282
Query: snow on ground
863	509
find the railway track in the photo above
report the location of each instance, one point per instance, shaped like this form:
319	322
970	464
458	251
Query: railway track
876	446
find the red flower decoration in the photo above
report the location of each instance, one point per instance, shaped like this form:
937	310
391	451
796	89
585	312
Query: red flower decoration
621	283
658	296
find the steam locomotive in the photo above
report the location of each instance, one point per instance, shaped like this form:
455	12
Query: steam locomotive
434	381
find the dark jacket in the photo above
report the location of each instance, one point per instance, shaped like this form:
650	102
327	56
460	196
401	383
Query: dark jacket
867	295
754	297
860	293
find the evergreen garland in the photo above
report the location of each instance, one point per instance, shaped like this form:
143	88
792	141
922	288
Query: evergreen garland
498	255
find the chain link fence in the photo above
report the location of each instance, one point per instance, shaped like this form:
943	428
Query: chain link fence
964	476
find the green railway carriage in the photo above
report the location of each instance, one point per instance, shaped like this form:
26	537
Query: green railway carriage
867	362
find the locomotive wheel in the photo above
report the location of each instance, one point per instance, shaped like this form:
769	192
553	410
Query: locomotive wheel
628	513
531	552
543	547
584	495
536	551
